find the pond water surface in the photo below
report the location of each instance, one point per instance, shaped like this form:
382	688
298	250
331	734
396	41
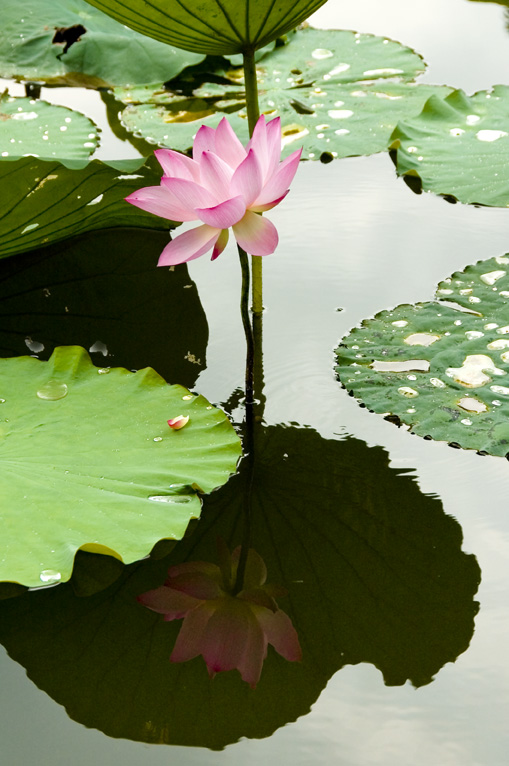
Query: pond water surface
354	240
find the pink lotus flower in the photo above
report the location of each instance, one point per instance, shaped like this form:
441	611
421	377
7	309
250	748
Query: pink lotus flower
223	185
230	631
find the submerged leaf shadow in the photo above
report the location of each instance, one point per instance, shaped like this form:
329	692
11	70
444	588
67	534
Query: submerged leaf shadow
104	292
374	571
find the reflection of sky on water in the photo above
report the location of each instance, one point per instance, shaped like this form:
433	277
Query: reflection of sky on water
353	236
464	43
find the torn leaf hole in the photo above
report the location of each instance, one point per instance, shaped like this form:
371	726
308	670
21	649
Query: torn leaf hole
301	108
68	35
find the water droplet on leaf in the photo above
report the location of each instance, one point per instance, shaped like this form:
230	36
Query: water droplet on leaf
52	390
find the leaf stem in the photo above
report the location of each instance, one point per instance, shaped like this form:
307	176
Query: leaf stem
253	113
251	88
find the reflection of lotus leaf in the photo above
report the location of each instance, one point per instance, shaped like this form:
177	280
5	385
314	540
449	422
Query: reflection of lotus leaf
453	383
67	42
108	297
88	461
211	26
374	571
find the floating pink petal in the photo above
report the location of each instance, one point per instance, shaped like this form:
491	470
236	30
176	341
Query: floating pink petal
179	422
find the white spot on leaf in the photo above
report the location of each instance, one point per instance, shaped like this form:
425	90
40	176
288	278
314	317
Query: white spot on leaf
490	135
472	372
421	339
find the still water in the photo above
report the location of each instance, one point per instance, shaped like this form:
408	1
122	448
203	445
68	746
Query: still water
354	240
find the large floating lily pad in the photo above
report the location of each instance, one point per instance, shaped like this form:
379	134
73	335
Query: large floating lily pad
88	461
459	146
46	202
211	26
374	572
337	92
67	42
34	127
441	369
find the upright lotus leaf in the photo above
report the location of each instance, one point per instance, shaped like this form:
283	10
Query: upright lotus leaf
67	42
441	368
47	202
102	291
89	462
338	93
374	572
211	26
459	146
30	127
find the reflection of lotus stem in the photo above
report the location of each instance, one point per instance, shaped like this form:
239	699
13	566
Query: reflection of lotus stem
249	457
253	113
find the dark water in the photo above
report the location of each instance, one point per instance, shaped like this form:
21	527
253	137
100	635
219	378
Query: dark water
363	520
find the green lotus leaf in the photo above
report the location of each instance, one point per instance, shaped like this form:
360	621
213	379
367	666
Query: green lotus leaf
89	462
46	202
442	367
458	146
332	109
211	26
30	127
498	2
374	572
67	42
103	291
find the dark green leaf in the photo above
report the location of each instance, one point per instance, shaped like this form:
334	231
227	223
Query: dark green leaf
211	26
459	146
47	202
338	93
67	42
441	369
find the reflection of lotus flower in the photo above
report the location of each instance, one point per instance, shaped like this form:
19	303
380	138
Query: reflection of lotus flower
230	631
223	185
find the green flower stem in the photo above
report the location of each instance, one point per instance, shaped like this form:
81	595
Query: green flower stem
253	113
248	330
257	293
